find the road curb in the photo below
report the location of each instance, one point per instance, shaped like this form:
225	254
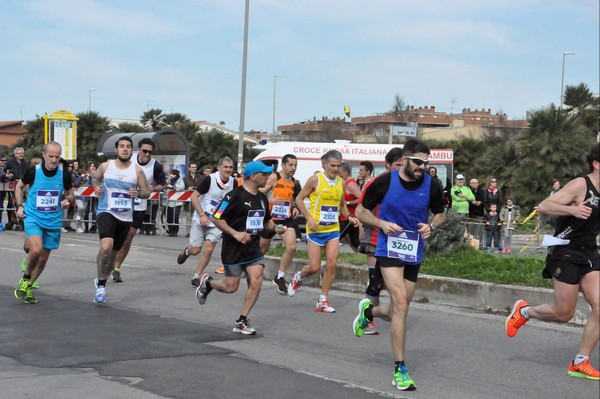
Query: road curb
469	294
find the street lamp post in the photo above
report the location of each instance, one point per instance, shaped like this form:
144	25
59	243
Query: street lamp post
90	99
274	102
243	96
562	81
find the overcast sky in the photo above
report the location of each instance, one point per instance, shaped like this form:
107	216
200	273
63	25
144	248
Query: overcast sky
186	56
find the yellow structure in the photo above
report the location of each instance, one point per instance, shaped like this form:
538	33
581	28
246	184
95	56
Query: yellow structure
61	126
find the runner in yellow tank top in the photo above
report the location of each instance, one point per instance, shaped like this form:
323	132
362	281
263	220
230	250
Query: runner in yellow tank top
324	205
325	191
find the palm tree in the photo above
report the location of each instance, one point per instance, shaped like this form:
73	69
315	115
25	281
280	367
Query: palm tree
174	120
467	157
584	105
90	128
129	127
33	140
500	160
552	146
207	148
153	119
189	130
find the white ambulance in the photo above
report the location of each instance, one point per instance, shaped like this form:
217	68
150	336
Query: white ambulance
309	157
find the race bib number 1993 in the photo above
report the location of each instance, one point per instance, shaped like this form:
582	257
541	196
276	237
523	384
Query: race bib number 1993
119	202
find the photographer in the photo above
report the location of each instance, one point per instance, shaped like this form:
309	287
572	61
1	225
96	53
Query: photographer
461	197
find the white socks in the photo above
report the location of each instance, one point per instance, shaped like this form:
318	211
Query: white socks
579	359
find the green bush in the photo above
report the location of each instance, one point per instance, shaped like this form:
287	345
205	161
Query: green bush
448	238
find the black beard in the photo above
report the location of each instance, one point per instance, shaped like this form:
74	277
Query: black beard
410	173
124	160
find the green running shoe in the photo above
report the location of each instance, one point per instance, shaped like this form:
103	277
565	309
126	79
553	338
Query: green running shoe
402	380
21	290
36	284
29	298
361	323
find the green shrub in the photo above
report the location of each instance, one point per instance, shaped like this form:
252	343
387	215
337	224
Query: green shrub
448	238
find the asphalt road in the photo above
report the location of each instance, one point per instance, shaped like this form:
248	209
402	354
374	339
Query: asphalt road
152	339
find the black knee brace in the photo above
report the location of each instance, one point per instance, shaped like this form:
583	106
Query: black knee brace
375	282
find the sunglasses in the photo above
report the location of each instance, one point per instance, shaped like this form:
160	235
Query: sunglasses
418	161
493	181
147	151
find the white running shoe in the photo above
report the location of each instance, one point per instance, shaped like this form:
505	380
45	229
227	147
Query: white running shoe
294	285
100	296
244	327
323	306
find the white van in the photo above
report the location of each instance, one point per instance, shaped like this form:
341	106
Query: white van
309	157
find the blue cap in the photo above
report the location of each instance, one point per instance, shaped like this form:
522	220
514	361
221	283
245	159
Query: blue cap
255	167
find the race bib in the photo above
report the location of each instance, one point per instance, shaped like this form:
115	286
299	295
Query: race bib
254	222
47	200
403	246
281	211
213	205
328	215
119	202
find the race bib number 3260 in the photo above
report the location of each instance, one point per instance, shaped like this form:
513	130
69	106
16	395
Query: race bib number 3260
403	246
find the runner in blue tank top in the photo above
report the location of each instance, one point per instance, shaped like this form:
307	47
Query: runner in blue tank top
404	197
50	190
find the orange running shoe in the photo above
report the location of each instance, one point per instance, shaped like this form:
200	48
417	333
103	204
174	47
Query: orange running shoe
515	320
583	370
220	270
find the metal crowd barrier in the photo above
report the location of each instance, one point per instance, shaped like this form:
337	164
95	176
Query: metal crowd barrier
156	221
86	202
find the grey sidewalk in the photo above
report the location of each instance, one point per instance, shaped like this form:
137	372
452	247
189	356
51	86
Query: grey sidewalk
476	295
